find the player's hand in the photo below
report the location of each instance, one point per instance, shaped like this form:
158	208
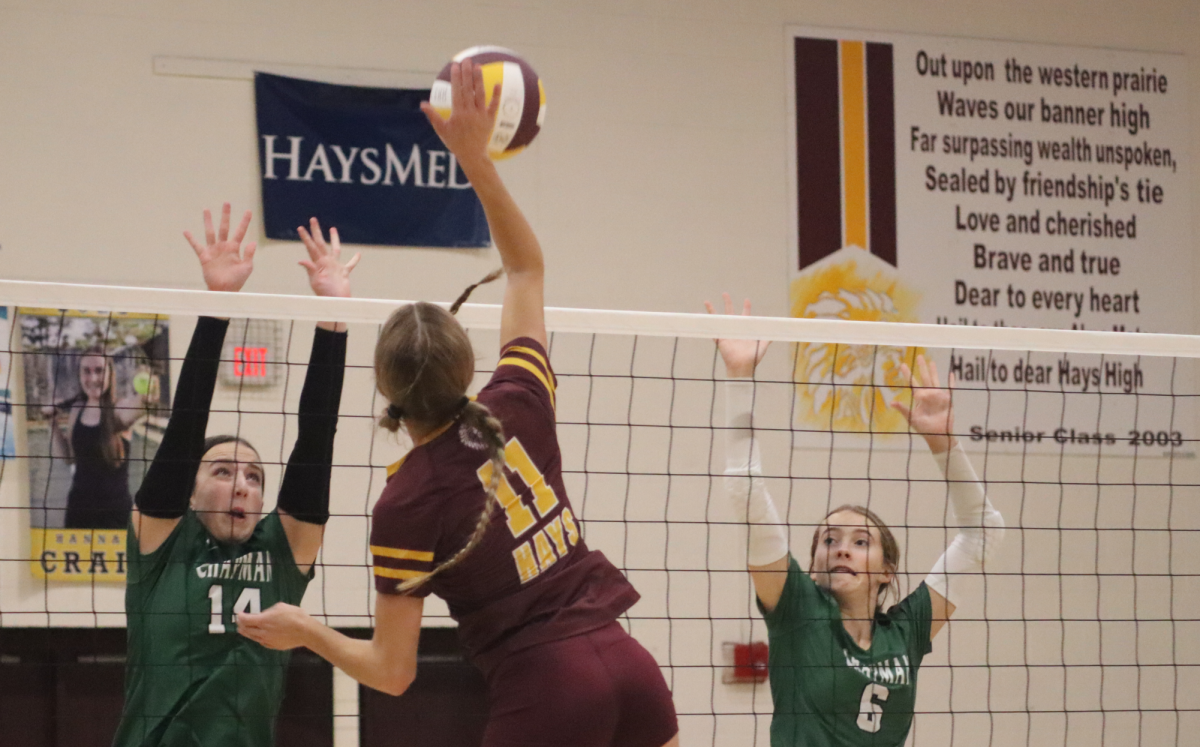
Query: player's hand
467	132
929	409
326	273
280	627
225	263
741	356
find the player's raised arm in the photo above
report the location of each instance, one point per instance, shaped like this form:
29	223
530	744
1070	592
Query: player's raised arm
304	494
466	134
767	552
387	662
930	412
163	497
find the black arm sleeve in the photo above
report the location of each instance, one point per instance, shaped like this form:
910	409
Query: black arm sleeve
304	493
167	487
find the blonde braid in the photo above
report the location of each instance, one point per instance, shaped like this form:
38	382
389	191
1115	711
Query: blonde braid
462	297
479	418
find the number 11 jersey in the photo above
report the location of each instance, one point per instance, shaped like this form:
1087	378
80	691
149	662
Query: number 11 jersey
531	579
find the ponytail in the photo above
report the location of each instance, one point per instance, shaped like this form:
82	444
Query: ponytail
414	336
462	297
475	419
423	366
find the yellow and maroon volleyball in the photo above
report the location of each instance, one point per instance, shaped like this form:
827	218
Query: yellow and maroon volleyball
522	97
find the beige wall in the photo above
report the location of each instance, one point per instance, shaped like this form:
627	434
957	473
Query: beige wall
660	179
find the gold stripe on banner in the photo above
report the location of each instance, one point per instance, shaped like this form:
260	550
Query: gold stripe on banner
854	143
78	554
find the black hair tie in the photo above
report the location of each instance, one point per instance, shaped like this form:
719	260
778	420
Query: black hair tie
464	402
394	412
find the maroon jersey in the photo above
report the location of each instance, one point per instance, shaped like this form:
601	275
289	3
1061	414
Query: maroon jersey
532	579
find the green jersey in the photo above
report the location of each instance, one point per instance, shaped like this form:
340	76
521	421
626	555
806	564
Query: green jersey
191	679
827	690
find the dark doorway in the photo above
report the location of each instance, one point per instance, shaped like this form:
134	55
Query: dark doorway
445	707
64	687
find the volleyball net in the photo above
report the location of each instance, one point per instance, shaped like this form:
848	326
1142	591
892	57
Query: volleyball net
1084	629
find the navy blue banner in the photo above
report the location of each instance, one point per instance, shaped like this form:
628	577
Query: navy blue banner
364	160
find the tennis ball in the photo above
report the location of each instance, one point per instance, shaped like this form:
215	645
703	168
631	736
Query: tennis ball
141	383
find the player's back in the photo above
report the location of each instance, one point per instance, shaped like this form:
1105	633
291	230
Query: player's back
531	578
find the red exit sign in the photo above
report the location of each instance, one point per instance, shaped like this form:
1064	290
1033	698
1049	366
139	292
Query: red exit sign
250	363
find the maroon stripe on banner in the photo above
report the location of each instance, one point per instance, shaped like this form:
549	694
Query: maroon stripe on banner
528	126
881	151
818	142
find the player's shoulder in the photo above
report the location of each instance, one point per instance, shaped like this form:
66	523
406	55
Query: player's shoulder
917	605
269	531
418	484
802	602
524	366
412	474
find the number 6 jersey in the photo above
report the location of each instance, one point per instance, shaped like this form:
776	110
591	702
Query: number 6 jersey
532	579
827	691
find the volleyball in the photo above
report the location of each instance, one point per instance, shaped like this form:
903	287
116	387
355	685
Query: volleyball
522	97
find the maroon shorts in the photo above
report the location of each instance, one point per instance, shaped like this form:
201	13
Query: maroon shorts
592	690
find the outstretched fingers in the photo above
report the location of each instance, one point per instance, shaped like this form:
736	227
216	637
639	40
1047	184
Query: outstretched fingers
495	105
199	250
477	92
934	380
210	234
310	243
314	227
908	398
335	241
240	232
458	97
223	233
436	120
926	375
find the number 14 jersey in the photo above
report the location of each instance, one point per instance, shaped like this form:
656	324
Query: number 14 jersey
531	579
191	678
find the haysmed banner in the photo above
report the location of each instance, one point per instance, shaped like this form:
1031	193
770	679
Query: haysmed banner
364	160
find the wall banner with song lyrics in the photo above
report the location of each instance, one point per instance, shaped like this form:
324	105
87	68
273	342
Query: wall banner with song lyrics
979	182
364	160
